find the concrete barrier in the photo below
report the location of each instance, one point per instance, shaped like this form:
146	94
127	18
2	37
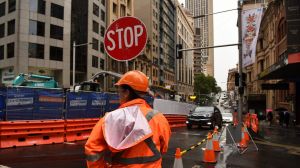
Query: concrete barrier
172	107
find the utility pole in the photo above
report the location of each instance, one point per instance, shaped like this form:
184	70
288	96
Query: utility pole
74	57
240	110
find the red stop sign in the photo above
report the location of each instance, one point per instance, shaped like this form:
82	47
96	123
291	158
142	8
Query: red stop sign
125	38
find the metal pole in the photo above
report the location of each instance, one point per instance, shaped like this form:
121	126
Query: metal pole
127	66
74	50
201	16
240	63
208	47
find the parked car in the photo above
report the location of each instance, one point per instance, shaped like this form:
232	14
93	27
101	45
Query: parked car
204	116
226	105
227	117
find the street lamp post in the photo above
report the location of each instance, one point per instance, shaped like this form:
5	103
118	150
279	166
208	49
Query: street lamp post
74	54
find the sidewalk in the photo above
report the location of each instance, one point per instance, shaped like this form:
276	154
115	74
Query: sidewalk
277	147
278	134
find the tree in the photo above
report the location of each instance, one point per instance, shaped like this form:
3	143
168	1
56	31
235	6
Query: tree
218	89
204	86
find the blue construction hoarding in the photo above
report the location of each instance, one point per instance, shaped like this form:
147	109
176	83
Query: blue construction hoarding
22	103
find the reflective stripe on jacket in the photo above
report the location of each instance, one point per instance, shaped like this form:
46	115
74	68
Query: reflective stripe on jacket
125	138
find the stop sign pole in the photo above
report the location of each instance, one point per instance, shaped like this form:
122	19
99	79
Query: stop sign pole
125	39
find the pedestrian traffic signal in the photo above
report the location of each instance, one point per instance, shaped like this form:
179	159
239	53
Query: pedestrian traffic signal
178	53
236	79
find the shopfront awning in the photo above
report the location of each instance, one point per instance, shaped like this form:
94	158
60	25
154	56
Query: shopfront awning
277	86
286	68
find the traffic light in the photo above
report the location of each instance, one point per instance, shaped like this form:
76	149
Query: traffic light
178	53
244	78
236	79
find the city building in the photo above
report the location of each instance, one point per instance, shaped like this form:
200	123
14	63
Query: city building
274	75
88	28
185	66
35	38
159	18
204	36
231	88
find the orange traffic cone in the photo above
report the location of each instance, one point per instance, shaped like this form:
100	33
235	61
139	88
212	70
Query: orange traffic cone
178	159
243	143
246	133
235	119
209	153
216	140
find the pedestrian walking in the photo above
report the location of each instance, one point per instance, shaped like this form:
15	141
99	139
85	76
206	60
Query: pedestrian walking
132	136
281	118
287	118
270	117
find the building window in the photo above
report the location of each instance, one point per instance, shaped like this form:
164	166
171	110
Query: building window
2	9
95	44
95	27
102	31
123	10
57	11
38	6
129	3
10	50
56	32
95	9
102	47
94	61
2	52
11	5
36	51
103	2
36	28
102	15
262	66
2	30
11	27
101	63
114	8
56	53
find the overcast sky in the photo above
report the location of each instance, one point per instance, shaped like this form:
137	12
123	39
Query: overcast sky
225	32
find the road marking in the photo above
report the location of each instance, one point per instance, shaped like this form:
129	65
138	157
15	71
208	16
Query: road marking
70	143
186	133
1	166
291	149
196	166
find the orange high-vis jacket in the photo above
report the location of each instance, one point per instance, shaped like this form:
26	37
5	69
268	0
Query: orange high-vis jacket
133	136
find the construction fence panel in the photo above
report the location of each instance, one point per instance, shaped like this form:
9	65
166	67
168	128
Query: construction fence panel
20	103
77	103
97	105
49	104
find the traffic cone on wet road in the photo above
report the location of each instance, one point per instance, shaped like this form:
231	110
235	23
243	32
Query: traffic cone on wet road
178	159
209	153
215	140
246	133
235	118
243	143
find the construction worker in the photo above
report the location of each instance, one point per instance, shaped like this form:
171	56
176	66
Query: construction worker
132	136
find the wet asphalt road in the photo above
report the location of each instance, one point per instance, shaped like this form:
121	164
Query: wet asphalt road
71	154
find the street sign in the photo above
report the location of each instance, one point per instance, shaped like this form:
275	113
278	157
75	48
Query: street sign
125	38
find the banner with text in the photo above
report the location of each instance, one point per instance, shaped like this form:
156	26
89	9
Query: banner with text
251	20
